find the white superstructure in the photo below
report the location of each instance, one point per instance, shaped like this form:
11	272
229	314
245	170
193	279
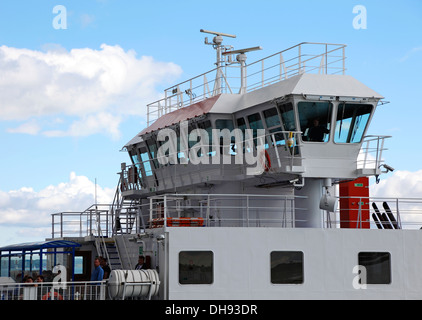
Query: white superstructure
250	182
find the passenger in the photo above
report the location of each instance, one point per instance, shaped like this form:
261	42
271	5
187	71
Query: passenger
105	266
24	290
316	133
141	264
98	273
41	290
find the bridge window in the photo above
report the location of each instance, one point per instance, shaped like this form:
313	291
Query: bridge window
146	163
273	123
206	125
351	122
196	267
287	267
255	123
224	124
152	147
287	116
241	124
377	265
315	120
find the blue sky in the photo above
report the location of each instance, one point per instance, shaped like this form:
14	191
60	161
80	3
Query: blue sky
55	141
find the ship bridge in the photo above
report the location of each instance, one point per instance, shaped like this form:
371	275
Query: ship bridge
298	105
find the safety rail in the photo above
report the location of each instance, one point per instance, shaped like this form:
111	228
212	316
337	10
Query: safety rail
79	290
377	213
370	156
252	210
191	91
305	57
75	290
222	210
98	218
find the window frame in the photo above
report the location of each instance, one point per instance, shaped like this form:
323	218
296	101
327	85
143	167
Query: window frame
353	121
389	267
302	280
331	106
212	267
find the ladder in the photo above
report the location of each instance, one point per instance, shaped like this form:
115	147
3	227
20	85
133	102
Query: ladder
107	248
113	256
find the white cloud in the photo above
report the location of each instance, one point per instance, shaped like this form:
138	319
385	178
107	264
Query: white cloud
92	86
91	124
31	127
28	208
406	186
399	184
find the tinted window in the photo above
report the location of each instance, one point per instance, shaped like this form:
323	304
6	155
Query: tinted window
271	118
196	267
287	116
286	267
351	122
378	266
315	120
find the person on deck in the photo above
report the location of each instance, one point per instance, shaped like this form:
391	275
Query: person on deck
98	273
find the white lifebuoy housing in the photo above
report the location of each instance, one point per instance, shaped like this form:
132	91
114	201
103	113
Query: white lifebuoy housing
133	283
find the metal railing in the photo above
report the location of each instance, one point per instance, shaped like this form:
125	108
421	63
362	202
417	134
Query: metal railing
98	218
377	213
222	210
305	57
370	156
75	290
251	210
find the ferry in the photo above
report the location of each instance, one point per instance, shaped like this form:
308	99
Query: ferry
249	182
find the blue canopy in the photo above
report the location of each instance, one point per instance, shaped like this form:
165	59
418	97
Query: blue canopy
30	246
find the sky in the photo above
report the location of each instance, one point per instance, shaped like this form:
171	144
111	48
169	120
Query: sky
74	90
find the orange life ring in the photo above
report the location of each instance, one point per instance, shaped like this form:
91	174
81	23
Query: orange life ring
267	162
57	296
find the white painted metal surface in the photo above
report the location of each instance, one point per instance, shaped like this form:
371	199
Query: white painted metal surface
242	262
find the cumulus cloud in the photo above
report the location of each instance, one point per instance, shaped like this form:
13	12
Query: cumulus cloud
95	87
399	184
29	208
407	187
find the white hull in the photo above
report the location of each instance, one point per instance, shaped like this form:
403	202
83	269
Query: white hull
242	263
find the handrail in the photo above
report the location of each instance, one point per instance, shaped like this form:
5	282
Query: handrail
198	88
367	150
407	211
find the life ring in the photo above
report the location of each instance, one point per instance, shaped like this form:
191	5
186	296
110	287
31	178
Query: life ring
57	296
267	165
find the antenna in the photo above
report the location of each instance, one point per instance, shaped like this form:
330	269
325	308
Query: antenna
217	45
242	50
95	193
218	33
241	58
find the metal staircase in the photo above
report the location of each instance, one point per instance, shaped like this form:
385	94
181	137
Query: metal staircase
112	253
126	215
107	248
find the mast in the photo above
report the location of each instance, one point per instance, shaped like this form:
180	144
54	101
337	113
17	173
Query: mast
217	44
